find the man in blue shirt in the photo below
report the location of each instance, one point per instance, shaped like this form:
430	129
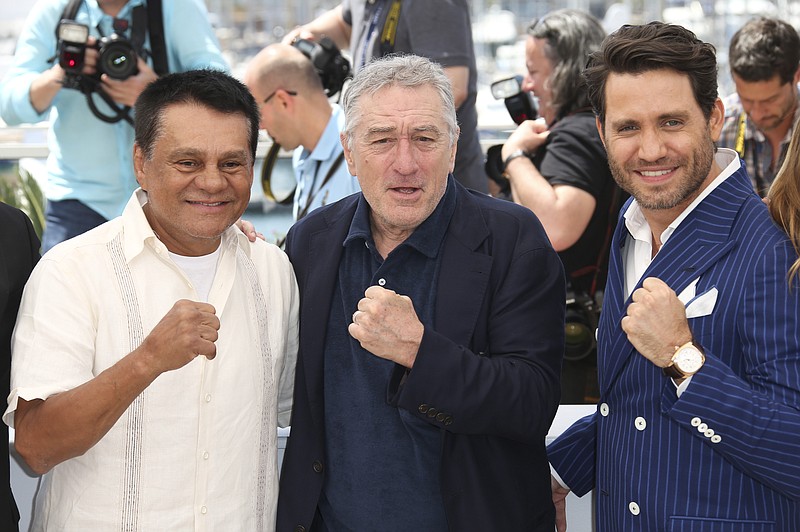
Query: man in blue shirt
297	114
89	169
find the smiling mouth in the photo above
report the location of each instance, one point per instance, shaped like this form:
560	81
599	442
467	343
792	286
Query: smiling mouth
654	173
208	204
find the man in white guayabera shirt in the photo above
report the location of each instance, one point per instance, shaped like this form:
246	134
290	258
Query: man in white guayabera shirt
154	355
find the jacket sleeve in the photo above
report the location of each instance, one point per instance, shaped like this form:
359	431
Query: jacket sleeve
511	389
751	400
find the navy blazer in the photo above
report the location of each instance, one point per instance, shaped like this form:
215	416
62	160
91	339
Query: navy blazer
491	367
723	456
20	252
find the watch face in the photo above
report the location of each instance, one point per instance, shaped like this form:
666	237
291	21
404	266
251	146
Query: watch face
689	360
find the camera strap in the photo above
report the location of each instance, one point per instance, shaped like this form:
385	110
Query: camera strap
390	28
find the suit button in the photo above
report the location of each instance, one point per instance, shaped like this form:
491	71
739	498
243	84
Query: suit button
441	417
432	412
604	409
317	466
716	438
640	423
696	421
634	508
708	433
423	408
448	420
702	427
299	528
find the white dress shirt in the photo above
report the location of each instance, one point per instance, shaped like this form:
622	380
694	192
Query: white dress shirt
197	450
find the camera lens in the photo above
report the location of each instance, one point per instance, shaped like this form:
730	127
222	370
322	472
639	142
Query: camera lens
117	59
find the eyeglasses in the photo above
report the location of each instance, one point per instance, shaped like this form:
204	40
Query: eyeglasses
290	93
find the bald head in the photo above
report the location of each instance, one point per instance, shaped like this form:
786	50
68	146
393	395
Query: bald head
282	66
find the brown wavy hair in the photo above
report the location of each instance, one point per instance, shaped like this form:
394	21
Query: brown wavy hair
784	199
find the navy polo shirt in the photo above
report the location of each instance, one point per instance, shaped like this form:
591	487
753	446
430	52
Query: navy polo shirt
382	462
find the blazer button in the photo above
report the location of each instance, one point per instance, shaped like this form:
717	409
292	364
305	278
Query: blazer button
604	409
448	420
633	508
640	423
696	421
440	417
423	408
299	528
317	466
432	412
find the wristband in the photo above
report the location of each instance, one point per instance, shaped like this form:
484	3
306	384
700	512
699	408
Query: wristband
514	155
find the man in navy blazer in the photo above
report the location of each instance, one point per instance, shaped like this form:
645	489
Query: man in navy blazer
432	322
20	252
698	426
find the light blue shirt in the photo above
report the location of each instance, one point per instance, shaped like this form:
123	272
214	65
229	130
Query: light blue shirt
91	160
310	169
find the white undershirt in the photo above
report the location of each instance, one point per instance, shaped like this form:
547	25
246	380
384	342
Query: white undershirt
199	270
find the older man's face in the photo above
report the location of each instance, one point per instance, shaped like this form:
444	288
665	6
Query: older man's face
198	178
402	156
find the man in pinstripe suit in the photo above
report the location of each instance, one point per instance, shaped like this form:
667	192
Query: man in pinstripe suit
698	345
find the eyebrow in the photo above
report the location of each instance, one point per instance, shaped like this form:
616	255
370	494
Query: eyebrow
625	122
382	130
194	152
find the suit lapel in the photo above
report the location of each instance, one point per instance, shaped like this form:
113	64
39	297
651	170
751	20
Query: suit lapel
461	289
700	241
321	267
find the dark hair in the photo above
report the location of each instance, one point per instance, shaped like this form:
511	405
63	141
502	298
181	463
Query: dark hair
210	88
653	46
764	48
570	36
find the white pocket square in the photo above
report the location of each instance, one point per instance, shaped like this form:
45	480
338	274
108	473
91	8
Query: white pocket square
703	304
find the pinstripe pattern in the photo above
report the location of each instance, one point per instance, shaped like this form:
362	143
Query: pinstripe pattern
134	447
267	457
748	392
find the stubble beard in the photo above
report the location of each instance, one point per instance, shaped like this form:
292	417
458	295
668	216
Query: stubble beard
670	195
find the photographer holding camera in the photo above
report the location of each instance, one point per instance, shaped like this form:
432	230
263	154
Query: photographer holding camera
84	73
557	167
297	114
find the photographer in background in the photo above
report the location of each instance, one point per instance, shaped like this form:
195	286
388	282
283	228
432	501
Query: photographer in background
764	57
440	31
557	167
90	169
297	114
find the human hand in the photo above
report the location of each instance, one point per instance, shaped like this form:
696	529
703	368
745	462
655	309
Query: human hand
249	230
299	32
387	326
560	502
656	322
187	331
528	136
125	91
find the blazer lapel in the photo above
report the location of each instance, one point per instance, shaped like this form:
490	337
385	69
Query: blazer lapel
462	287
321	262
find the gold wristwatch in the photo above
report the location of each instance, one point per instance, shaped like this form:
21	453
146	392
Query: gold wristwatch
687	360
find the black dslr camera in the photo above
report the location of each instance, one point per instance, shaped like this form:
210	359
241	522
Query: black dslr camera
521	106
116	54
331	66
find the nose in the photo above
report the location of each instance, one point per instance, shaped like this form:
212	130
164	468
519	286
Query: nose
527	83
211	179
651	145
405	161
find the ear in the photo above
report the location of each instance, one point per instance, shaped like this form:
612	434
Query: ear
348	154
599	126
454	149
138	166
716	120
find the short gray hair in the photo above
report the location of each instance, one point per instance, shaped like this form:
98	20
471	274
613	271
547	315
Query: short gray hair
405	71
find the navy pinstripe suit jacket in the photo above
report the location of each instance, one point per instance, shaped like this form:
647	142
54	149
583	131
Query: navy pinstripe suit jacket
726	455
